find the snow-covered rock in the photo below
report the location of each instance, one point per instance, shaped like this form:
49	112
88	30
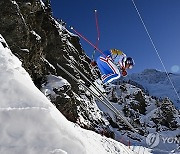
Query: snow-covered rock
159	84
149	114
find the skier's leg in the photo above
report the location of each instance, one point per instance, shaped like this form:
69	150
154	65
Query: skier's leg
108	70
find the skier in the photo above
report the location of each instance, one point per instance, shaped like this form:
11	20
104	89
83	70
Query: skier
111	63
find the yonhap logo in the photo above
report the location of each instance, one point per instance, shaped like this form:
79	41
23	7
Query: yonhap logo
152	140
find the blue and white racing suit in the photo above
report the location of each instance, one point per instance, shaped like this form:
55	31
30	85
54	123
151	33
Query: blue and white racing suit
108	63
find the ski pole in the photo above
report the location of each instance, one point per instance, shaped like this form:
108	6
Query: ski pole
97	28
87	40
98	34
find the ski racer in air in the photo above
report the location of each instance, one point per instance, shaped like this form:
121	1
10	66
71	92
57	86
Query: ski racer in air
112	64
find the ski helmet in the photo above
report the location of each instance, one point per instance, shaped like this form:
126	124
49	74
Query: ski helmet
129	61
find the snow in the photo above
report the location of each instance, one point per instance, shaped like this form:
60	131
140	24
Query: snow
25	50
42	4
62	28
14	2
54	82
31	124
158	84
151	109
35	34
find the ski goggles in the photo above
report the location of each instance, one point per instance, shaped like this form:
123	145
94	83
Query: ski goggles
128	66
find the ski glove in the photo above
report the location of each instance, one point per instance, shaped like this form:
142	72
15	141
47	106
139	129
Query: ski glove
124	73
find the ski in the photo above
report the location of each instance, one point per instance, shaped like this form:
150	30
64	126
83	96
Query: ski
82	84
105	100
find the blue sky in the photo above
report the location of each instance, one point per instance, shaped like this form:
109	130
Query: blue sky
121	28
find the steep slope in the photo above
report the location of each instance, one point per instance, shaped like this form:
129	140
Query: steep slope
31	124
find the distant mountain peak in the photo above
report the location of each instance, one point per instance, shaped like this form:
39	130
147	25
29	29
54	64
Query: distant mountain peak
147	71
157	83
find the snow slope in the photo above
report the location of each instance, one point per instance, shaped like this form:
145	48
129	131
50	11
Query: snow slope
30	124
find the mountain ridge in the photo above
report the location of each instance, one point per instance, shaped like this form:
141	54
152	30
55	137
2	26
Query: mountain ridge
157	83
